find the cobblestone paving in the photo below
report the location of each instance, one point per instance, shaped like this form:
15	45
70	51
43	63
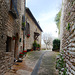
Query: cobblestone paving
28	64
47	66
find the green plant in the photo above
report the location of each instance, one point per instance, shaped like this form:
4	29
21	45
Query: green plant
64	72
71	2
38	45
35	45
69	14
21	54
25	52
68	27
56	44
60	64
23	24
28	35
57	19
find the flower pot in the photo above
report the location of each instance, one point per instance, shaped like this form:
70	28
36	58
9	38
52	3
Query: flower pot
14	37
28	35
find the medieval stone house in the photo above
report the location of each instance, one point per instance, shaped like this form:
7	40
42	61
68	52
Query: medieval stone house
68	34
33	29
11	32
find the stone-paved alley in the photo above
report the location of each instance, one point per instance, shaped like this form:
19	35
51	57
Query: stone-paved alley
47	66
36	63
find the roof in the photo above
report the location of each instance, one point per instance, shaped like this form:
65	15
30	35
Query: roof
33	18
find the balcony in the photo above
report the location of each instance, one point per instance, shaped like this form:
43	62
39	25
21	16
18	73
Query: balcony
13	9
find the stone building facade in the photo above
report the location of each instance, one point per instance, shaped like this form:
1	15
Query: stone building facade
11	12
33	29
68	34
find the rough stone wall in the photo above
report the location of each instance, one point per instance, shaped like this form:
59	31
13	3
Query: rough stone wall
22	12
4	57
68	35
8	27
33	28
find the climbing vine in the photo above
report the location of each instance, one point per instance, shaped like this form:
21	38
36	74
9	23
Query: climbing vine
69	14
68	27
61	64
23	24
57	20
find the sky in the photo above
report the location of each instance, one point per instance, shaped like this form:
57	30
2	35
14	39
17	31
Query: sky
45	11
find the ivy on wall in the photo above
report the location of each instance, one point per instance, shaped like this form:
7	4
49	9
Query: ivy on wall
57	20
68	27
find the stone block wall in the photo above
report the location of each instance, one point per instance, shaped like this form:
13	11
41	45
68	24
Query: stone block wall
68	35
33	28
5	58
9	26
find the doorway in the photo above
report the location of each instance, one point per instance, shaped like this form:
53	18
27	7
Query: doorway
16	47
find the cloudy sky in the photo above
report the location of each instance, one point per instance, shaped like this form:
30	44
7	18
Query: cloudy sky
45	11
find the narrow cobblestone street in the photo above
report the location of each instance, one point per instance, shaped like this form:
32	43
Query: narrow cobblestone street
36	63
37	37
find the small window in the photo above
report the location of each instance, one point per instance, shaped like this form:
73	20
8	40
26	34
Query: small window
8	44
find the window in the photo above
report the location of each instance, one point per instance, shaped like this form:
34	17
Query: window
23	22
13	8
8	44
13	3
10	4
27	28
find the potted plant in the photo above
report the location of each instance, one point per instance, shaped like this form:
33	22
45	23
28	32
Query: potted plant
21	54
25	52
14	37
31	49
35	45
28	35
23	25
38	47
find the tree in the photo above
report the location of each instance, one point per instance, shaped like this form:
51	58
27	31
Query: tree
47	39
57	20
56	44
